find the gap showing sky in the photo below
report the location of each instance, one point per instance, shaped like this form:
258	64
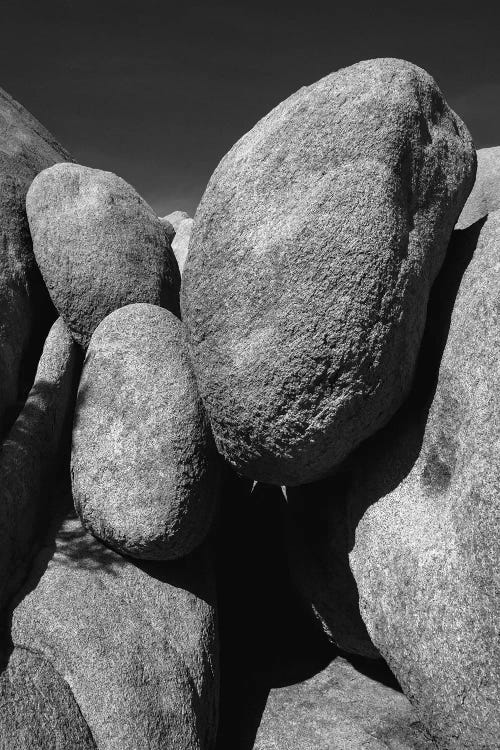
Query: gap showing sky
158	92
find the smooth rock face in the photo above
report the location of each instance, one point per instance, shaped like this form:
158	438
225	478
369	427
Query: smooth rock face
425	511
32	454
339	709
485	195
180	244
136	645
311	258
175	219
144	468
26	312
99	246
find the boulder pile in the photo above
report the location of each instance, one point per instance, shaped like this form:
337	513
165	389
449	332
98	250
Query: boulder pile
327	323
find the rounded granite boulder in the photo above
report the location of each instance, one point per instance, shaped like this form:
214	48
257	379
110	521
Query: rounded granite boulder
311	259
99	246
144	469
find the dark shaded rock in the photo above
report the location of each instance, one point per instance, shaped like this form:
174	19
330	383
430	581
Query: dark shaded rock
32	453
180	244
145	470
26	312
339	709
136	644
38	708
485	195
99	246
425	516
319	541
311	259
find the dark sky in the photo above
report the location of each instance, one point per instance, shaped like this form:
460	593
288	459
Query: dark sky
158	91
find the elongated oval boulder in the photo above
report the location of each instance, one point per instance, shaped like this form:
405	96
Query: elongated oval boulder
99	246
26	312
485	195
426	520
144	469
311	258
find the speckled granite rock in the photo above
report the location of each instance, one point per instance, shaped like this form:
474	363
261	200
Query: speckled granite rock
339	709
175	219
180	244
145	470
485	195
426	519
313	251
32	453
26	311
135	644
99	246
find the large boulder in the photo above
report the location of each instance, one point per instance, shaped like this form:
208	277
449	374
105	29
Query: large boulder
26	311
425	515
180	243
339	708
485	195
144	467
117	656
175	219
311	259
32	454
99	246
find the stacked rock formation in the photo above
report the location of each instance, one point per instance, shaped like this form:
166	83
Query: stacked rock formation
332	334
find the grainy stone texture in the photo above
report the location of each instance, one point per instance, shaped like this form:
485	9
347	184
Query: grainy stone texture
99	246
485	195
339	709
136	644
424	508
26	311
311	258
144	467
32	453
39	710
180	244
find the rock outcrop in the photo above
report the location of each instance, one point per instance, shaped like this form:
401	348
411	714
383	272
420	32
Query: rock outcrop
31	455
485	195
99	246
313	251
144	467
180	244
26	312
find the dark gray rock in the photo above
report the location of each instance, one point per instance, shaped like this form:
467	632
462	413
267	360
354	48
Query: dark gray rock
144	467
99	246
180	244
136	644
32	453
39	710
26	312
311	259
485	195
426	518
339	709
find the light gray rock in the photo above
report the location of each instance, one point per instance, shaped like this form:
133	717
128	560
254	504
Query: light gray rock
180	244
135	644
339	709
311	259
426	518
99	246
175	219
32	453
485	195
144	467
26	312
